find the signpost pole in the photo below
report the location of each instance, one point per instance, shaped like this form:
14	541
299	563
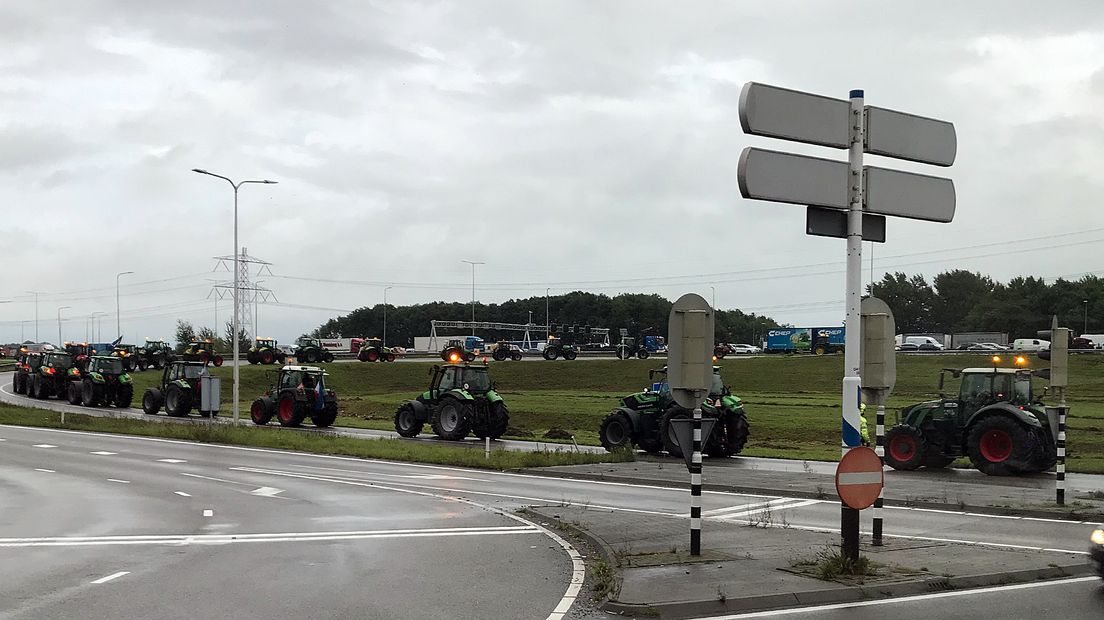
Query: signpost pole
695	485
849	522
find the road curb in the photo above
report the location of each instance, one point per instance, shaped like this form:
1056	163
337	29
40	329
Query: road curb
1069	515
674	610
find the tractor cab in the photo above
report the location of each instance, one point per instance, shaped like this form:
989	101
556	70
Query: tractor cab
471	379
189	372
716	389
309	342
105	365
372	343
296	377
57	360
981	387
265	343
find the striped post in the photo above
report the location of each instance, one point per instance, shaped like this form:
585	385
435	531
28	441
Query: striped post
695	485
1060	468
879	448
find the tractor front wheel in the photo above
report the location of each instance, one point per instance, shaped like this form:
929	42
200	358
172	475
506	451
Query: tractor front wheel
178	402
406	421
516	356
74	393
326	417
90	395
390	357
905	447
570	355
667	430
642	354
328	357
151	401
217	361
615	433
998	446
731	437
124	395
452	419
259	412
498	420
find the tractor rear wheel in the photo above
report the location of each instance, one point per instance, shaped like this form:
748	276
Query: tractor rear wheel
267	357
178	401
326	417
667	430
259	412
904	447
151	401
998	446
288	412
124	395
550	353
372	355
452	419
90	396
74	393
406	421
615	433
328	357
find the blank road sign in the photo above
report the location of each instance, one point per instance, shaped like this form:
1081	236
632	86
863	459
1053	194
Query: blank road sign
794	115
823	222
907	136
797	179
907	194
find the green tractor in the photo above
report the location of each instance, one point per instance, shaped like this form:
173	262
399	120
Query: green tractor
310	350
557	348
372	350
264	351
154	354
202	351
104	382
457	351
461	399
178	390
643	419
995	420
298	393
50	374
129	354
503	351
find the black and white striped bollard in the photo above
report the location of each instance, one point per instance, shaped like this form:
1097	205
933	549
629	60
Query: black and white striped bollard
879	448
1060	468
695	485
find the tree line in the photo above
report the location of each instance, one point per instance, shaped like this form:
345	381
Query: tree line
964	301
635	312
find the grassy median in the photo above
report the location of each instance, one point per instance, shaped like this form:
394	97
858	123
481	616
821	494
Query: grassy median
389	449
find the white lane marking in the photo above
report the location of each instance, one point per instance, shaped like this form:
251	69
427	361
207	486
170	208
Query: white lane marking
904	599
171	461
267	492
782	505
221	539
382	485
578	568
103	453
738	508
48	471
2	439
119	481
214	479
44	445
181	493
437	477
110	577
407	465
208	513
862	477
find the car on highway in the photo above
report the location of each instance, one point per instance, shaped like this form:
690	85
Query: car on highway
1096	550
1030	344
744	349
908	346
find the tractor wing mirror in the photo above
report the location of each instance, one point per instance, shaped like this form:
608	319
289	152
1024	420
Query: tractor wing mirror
494	385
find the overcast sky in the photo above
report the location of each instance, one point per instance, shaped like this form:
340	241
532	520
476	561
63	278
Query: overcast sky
571	145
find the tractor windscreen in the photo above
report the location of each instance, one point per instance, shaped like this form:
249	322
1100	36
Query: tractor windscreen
112	366
60	362
718	385
477	380
996	387
193	372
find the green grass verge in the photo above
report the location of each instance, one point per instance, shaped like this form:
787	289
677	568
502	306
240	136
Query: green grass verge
792	401
389	449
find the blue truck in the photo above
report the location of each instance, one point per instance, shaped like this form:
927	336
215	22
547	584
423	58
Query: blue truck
816	340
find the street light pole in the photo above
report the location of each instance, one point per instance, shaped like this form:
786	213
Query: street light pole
234	323
547	322
118	317
60	308
473	264
385	289
36	293
713	303
1086	328
96	324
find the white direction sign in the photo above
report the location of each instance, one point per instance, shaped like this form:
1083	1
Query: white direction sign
907	136
805	180
793	115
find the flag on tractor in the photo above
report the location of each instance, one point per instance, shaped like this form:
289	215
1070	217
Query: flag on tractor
319	391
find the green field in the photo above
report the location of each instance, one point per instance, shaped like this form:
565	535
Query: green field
792	401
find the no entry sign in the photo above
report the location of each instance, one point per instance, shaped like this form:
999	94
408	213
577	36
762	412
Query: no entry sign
859	477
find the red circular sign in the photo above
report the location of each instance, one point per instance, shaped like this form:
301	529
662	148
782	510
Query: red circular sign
859	477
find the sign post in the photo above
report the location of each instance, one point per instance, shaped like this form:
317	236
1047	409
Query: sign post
849	187
689	375
879	374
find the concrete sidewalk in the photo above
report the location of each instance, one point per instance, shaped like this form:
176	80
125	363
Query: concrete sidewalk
747	567
951	489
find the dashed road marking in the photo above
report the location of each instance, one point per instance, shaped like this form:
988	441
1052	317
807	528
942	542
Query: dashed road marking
103	453
48	471
110	577
208	513
181	493
267	491
119	481
44	445
171	461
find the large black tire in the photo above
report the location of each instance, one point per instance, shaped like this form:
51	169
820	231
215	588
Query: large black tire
151	401
516	356
306	356
499	355
731	436
550	353
651	445
251	357
326	417
267	358
90	393
289	412
1044	454
452	419
469	357
17	383
73	393
328	357
719	353
32	388
616	432
642	354
999	446
622	352
124	396
406	421
905	447
570	355
667	431
935	459
178	401
159	362
217	361
260	411
498	420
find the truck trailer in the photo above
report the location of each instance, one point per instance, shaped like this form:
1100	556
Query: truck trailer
816	340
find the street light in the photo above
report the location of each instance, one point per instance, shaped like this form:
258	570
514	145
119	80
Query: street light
36	294
1086	303
385	289
713	304
60	308
234	323
547	323
473	264
118	317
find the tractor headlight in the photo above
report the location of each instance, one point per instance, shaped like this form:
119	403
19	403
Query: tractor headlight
1097	537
